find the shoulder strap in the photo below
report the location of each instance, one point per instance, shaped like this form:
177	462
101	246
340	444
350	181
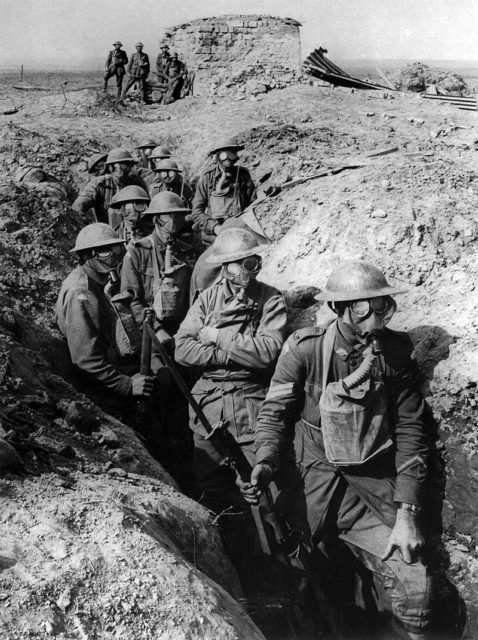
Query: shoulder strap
327	350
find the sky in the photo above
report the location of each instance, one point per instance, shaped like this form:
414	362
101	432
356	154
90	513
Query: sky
76	33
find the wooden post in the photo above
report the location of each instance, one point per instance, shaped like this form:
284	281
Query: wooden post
21	74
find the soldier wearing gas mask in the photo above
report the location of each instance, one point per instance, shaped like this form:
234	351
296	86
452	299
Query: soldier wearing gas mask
223	191
157	270
360	441
98	194
168	178
101	341
233	334
126	214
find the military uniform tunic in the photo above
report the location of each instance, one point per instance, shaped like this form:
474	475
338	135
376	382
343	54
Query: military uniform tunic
177	186
235	373
87	320
357	502
241	193
98	193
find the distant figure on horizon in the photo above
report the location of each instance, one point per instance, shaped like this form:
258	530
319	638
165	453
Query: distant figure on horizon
115	66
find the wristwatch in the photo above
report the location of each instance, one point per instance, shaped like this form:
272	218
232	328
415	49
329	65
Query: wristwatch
407	506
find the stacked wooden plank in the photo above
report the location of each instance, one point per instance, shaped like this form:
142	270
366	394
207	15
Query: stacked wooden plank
318	66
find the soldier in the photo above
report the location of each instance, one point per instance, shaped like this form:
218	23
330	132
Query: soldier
126	213
232	334
162	64
157	270
96	164
167	178
87	318
176	74
158	154
145	149
138	70
361	443
115	66
223	191
98	193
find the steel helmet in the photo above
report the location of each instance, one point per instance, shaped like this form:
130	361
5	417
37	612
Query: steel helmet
167	164
131	193
139	44
356	280
148	143
95	159
227	143
96	235
160	153
234	244
117	42
119	155
165	202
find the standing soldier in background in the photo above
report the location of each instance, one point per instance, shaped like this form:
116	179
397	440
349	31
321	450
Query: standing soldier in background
223	191
360	441
233	335
176	74
168	178
115	66
98	193
162	64
126	214
138	70
157	271
100	346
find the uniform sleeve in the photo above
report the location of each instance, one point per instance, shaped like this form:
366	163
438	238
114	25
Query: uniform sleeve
259	351
282	404
200	201
411	438
86	198
108	60
84	344
189	350
146	65
131	280
130	63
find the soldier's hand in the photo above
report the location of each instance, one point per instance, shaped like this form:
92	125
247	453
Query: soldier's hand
217	229
406	537
208	335
260	478
141	385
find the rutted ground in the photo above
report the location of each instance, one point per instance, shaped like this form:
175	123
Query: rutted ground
412	212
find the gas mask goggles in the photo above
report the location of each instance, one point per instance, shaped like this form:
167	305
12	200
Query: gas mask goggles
107	258
168	225
167	176
242	272
383	306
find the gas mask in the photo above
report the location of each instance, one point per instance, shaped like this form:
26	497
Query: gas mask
168	225
106	259
133	211
368	317
120	170
242	272
167	176
227	159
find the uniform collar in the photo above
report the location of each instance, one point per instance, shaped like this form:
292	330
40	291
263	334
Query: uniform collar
229	292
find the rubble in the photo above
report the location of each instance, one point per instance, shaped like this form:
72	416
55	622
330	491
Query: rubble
418	77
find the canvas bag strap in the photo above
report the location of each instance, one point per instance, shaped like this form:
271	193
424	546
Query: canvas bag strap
327	351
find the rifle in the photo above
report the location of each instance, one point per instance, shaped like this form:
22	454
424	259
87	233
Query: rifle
145	365
277	541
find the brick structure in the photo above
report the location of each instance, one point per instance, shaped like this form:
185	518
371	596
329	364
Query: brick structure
248	54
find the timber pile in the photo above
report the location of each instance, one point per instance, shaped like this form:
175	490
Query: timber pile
466	103
318	66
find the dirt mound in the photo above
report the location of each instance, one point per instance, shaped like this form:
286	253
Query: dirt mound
418	77
96	541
